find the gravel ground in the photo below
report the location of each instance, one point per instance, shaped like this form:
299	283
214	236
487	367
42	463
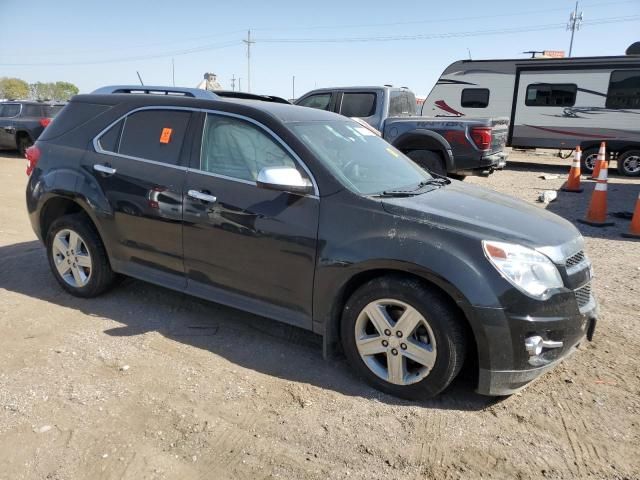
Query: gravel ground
146	383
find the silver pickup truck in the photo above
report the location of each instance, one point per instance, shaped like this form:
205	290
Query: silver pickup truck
447	146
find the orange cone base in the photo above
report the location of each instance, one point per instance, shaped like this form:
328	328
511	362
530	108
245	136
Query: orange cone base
631	235
596	224
572	190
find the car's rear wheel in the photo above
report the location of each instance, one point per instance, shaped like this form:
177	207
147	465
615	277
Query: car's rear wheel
432	161
629	163
77	256
23	142
402	337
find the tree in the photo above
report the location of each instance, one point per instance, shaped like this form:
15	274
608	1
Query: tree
13	88
59	91
63	91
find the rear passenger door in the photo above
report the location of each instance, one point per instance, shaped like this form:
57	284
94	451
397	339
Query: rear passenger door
8	112
140	165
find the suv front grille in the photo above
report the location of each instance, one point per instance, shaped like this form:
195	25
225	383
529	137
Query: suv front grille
575	259
583	295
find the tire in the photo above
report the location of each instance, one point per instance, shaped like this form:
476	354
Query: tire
438	340
93	274
629	163
430	160
458	177
23	142
588	160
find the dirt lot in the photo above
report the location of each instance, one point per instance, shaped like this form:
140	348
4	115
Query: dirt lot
145	383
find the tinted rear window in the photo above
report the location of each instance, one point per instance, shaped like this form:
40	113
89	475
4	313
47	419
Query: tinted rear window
402	104
52	110
154	135
358	104
32	110
9	109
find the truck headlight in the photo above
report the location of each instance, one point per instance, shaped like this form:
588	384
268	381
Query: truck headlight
528	270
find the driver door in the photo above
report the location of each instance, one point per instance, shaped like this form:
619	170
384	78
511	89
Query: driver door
246	246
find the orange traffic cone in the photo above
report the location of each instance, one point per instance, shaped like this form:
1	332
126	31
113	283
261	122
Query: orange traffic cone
573	182
634	229
597	213
602	155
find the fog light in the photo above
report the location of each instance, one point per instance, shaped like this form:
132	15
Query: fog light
536	344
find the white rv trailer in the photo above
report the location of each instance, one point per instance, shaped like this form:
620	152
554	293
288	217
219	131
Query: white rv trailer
552	103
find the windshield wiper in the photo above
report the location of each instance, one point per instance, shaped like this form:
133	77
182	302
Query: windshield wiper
419	189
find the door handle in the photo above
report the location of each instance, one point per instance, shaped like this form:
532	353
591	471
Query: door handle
205	197
104	169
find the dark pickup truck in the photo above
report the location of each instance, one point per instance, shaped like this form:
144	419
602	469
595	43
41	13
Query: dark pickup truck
454	147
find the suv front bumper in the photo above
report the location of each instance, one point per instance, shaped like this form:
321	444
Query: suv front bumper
505	364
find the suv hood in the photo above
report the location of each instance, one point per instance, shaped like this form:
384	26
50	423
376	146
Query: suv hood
484	214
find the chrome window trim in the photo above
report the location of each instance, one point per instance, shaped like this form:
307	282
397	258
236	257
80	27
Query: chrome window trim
98	148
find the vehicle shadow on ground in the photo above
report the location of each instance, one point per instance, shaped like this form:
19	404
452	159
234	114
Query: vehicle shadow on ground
621	198
247	340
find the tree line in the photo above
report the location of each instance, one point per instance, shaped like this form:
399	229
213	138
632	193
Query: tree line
18	89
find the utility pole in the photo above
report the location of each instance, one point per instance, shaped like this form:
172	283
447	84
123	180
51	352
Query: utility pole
575	19
173	72
239	84
248	41
233	82
293	88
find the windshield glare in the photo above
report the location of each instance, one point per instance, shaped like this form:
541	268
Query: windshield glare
362	161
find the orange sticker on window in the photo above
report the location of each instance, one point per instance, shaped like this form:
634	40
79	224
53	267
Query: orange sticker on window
165	136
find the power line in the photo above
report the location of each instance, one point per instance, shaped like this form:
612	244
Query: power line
431	36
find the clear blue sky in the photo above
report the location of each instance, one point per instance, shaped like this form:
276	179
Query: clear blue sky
45	34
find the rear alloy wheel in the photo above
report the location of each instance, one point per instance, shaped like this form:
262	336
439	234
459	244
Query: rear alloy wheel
629	163
432	161
588	160
77	256
402	337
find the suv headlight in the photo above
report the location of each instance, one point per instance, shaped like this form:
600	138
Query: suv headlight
528	270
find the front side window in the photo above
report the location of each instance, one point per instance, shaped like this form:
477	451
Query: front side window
551	95
238	149
474	98
358	104
362	161
320	101
149	135
9	110
624	89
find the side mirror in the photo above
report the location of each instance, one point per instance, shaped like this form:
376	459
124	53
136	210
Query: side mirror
286	179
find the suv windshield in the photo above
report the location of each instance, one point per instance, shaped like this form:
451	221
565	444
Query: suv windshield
362	161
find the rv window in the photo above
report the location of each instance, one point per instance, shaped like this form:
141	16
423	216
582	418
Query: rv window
475	98
551	95
624	89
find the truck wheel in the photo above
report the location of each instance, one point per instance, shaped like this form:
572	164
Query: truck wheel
77	257
23	143
629	163
588	160
430	160
402	338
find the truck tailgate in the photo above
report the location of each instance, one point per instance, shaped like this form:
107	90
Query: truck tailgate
499	133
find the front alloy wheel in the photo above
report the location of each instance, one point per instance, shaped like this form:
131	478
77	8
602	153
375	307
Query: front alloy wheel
395	341
403	336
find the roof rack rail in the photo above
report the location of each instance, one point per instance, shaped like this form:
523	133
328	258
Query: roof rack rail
156	90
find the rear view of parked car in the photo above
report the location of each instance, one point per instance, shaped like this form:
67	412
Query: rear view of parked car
309	218
21	123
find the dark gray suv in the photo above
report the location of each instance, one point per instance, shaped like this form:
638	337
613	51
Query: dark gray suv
22	122
309	218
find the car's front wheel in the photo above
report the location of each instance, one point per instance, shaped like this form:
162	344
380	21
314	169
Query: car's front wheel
402	337
77	256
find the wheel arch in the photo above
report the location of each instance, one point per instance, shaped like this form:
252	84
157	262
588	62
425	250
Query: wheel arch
426	140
